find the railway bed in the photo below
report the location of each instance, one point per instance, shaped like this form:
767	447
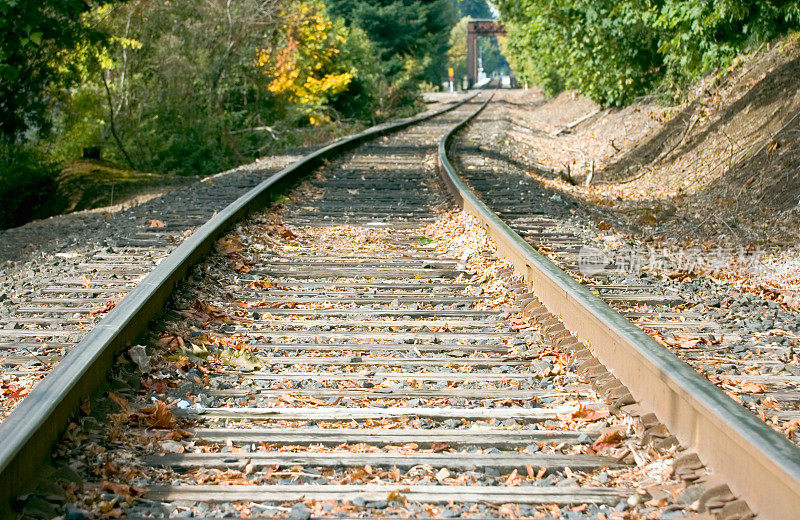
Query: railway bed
746	344
336	358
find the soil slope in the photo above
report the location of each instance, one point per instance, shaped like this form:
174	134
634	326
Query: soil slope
721	169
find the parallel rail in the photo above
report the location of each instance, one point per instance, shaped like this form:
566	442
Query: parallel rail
757	463
27	435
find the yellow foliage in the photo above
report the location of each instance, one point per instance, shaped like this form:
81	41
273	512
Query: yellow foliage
302	63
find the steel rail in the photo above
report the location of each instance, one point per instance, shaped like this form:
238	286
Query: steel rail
29	432
757	463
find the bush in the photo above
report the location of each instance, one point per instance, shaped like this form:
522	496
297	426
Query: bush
614	51
27	184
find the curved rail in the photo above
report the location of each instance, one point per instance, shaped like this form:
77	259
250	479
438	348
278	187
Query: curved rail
756	462
27	435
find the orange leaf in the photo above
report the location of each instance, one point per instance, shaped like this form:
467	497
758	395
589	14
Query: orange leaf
104	309
748	387
241	267
228	245
587	414
127	409
439	447
156	223
159	416
123	489
511	478
609	439
18	393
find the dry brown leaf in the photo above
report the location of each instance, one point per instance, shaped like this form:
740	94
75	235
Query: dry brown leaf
156	223
229	244
127	409
261	304
748	387
587	414
170	340
609	439
241	267
123	489
206	313
104	309
159	416
396	496
512	479
439	447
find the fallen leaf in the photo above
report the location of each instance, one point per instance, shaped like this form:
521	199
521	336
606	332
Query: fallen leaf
748	387
127	409
438	447
512	479
241	359
18	393
104	309
241	267
609	439
228	245
773	145
261	304
397	497
170	340
159	416
123	489
587	414
206	313
156	223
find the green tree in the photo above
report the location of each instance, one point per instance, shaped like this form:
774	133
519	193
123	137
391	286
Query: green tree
698	35
189	86
410	35
614	51
491	56
457	53
475	9
33	38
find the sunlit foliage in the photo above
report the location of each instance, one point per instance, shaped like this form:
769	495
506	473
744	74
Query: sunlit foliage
614	51
304	61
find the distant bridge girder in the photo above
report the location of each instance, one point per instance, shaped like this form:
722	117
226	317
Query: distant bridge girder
476	29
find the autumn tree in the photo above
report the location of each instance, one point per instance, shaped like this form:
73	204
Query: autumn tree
303	61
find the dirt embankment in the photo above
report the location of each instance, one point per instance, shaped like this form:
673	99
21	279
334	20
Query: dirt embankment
721	169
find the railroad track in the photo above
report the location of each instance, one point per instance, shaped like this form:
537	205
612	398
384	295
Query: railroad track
711	326
55	311
359	350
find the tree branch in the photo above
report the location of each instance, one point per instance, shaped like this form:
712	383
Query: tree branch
111	121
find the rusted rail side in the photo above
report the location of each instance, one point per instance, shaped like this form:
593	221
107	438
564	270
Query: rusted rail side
757	463
27	435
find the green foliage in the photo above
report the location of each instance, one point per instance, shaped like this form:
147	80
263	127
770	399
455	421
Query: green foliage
27	181
367	89
614	51
33	38
457	53
491	56
605	48
475	9
410	35
198	86
698	35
